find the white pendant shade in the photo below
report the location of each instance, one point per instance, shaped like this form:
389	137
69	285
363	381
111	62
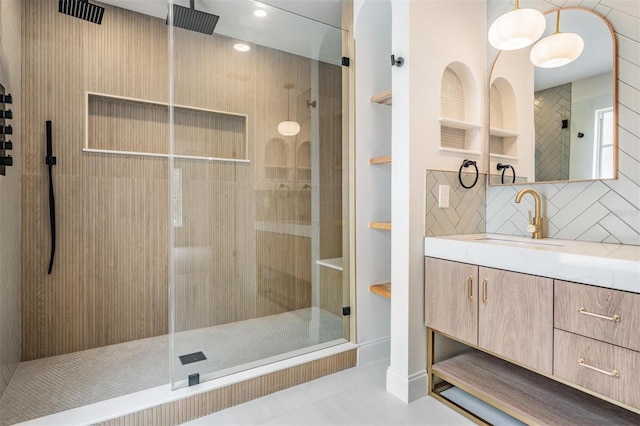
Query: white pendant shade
517	29
558	49
288	128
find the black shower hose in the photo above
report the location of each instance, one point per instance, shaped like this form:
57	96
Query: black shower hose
50	160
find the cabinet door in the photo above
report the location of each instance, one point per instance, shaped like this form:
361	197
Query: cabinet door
515	317
451	298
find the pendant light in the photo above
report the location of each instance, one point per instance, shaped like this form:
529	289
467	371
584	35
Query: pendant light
557	49
288	128
517	29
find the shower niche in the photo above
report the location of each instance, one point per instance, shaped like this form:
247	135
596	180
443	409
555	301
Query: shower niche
129	126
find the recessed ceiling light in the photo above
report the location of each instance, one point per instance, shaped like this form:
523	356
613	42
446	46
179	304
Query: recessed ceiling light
241	47
260	13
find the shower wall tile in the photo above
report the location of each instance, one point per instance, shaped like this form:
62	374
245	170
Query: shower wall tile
111	273
10	192
607	210
466	212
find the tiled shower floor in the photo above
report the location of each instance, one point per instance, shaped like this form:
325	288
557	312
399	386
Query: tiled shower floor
50	385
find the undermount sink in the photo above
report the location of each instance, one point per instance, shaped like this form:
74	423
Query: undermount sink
521	240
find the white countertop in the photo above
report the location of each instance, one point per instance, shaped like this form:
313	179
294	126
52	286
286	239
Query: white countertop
615	266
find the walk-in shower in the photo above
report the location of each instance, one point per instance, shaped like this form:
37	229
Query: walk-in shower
194	240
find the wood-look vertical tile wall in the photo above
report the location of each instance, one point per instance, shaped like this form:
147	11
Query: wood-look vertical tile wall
110	278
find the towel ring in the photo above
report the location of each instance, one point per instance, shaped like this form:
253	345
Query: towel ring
465	164
503	167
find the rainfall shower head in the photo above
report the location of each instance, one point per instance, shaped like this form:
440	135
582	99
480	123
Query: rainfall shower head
193	20
81	9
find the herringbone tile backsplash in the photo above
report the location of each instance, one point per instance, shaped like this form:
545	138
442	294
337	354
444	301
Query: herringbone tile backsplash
466	212
608	210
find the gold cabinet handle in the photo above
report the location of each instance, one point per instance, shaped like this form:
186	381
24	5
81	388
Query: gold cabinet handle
613	373
615	318
470	288
484	291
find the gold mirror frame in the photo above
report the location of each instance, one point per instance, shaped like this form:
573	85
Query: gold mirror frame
614	87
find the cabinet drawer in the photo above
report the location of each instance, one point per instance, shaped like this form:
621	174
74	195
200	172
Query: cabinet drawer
609	315
617	371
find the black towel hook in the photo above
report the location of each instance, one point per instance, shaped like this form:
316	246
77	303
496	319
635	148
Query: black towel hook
465	164
504	167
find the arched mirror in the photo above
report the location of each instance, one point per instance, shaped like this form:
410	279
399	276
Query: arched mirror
556	124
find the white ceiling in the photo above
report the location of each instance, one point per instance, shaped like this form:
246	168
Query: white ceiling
312	25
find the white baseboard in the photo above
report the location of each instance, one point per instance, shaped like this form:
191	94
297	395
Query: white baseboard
374	350
407	388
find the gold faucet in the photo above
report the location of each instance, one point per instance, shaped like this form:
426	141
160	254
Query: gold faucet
535	223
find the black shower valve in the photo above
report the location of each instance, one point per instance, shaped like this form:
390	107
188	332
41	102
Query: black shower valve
6	130
7	146
6	99
6	161
8	114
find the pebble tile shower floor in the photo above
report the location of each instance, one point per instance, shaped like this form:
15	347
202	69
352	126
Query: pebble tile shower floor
50	385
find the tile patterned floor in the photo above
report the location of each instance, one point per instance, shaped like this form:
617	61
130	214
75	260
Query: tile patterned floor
352	397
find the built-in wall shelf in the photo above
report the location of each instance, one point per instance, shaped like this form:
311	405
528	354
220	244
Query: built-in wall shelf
460	151
335	263
506	385
494	131
380	160
380	225
458	124
382	289
383	98
505	157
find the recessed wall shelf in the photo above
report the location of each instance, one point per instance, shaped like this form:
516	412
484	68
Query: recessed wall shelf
383	98
459	151
380	225
382	289
380	160
129	126
335	263
494	131
458	124
503	384
505	157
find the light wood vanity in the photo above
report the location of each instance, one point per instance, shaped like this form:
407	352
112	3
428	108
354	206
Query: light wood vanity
542	349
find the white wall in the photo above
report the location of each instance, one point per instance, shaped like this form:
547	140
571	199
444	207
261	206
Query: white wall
587	96
10	58
429	35
372	35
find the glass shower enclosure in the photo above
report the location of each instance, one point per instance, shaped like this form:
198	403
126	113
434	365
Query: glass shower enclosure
256	195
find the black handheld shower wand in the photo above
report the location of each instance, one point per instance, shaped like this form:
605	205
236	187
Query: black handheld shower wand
50	161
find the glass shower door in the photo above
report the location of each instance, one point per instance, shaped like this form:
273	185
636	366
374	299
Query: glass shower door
256	189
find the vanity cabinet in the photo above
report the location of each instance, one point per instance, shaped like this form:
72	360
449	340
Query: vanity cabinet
492	309
534	344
